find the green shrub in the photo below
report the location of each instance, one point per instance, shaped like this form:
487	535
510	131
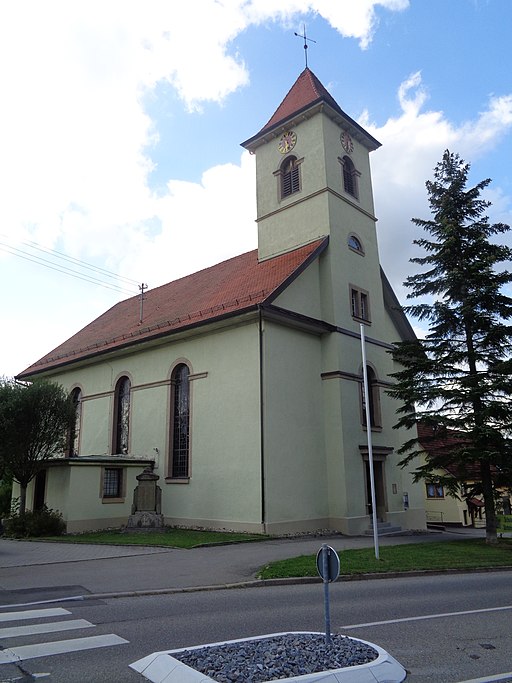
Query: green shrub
43	522
5	497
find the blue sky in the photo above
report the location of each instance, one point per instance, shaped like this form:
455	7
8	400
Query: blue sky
121	125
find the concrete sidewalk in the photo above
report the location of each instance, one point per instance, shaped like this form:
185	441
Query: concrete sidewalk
64	569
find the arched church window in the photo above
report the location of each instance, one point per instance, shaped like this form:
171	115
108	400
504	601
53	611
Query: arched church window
355	244
373	399
179	459
121	416
290	176
350	175
73	441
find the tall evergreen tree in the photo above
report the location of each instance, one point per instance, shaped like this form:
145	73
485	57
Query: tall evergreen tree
459	377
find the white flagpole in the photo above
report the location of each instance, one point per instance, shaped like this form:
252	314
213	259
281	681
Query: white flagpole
370	449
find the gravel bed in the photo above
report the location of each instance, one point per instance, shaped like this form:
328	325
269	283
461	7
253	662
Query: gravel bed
276	657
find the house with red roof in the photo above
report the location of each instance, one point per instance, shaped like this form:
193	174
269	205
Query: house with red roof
242	386
452	494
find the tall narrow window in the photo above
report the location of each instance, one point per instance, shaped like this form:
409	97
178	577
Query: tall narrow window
373	399
73	445
290	176
180	423
349	177
121	416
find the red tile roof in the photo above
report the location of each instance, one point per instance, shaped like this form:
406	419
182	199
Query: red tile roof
233	286
306	92
441	443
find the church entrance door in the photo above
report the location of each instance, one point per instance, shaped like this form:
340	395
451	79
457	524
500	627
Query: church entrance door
380	496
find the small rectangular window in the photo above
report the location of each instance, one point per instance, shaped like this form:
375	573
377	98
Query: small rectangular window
360	304
435	491
112	482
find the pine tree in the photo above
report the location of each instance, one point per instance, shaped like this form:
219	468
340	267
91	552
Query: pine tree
459	377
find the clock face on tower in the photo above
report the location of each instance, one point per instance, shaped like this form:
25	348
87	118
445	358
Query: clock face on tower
287	142
346	142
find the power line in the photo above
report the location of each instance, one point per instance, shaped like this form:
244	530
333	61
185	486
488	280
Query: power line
69	271
82	264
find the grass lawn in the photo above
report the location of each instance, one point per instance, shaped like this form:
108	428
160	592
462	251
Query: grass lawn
172	538
467	554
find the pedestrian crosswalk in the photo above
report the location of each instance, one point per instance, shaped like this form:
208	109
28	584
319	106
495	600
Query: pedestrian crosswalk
20	626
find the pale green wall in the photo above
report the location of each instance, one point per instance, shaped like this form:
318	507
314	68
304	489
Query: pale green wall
322	205
323	291
304	294
225	435
293	427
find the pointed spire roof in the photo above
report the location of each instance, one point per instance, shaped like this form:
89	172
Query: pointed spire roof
307	95
306	91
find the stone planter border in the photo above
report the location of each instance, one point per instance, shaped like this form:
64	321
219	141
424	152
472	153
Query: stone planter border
162	667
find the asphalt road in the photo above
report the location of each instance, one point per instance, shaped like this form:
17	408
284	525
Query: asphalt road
443	629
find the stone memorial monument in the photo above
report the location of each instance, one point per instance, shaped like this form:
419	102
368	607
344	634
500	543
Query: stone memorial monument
147	503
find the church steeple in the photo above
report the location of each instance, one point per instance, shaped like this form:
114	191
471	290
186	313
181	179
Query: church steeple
305	96
312	169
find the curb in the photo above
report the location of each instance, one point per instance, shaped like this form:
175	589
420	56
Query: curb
262	583
255	583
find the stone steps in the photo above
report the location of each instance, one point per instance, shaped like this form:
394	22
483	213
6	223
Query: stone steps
383	529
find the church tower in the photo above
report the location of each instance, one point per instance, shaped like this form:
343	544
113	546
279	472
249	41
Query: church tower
312	169
313	180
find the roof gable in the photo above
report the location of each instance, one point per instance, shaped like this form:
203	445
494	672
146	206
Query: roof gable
234	286
306	90
442	443
305	94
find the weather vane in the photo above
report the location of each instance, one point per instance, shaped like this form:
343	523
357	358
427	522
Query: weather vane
305	43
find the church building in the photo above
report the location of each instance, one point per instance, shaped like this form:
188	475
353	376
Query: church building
242	386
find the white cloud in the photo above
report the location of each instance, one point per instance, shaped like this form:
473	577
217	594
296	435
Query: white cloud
412	144
73	128
355	19
211	220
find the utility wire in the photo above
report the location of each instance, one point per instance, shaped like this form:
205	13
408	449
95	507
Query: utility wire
69	271
81	264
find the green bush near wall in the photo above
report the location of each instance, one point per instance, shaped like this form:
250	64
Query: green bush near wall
43	522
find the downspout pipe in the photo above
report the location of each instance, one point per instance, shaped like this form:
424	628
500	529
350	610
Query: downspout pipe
262	422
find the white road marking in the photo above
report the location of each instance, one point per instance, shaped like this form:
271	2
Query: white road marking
426	616
51	627
72	598
33	614
490	679
58	647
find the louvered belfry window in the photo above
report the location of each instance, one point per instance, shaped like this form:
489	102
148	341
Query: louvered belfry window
349	177
290	177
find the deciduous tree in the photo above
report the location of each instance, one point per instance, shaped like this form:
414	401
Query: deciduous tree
34	421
